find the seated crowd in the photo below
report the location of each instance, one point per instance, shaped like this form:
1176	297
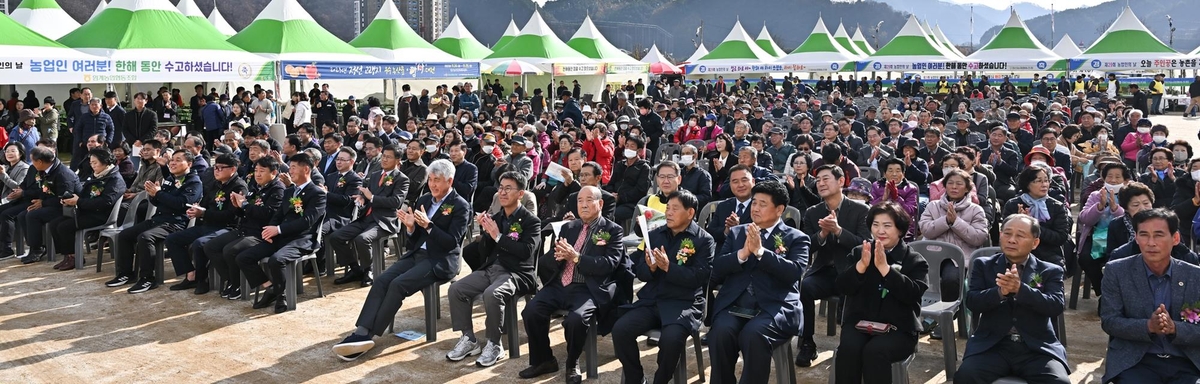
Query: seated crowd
764	216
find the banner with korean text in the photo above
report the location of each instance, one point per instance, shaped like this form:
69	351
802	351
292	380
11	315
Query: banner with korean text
101	70
293	70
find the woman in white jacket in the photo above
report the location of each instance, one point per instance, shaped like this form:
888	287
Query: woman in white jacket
954	218
301	111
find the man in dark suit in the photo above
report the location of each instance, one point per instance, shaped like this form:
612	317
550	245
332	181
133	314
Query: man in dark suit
578	276
836	231
179	189
1146	312
381	194
330	145
466	175
676	271
735	210
435	229
215	216
1004	161
38	201
874	152
288	236
368	163
263	198
340	194
758	306
1018	298
508	242
589	175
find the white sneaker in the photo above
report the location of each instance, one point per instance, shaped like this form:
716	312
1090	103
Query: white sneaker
492	353
463	349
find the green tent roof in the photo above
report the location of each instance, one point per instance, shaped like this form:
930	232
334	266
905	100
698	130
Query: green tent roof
285	31
144	24
44	17
767	44
911	41
458	41
738	46
1127	34
591	43
389	37
537	44
509	33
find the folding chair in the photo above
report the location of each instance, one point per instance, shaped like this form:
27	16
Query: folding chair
130	218
81	236
295	275
931	303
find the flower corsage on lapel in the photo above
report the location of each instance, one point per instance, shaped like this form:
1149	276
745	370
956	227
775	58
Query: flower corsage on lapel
600	239
387	180
96	189
220	199
258	201
779	248
178	183
341	182
1190	313
1035	282
687	248
297	205
514	231
447	209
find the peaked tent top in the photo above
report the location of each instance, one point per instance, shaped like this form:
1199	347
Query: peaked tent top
1066	48
1127	35
144	24
44	17
737	47
937	31
220	24
843	39
1014	40
509	33
285	31
390	38
767	44
819	48
700	52
189	9
588	41
860	42
910	42
458	41
537	44
99	8
655	56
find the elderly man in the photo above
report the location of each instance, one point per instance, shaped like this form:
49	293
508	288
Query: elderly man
581	271
435	229
381	194
95	121
510	239
748	158
1147	309
36	202
1018	298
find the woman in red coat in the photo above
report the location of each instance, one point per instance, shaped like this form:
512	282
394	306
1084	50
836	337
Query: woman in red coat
599	148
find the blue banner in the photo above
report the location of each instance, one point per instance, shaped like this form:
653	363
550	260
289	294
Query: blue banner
293	70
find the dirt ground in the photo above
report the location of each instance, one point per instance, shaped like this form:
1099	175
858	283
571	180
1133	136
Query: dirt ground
67	327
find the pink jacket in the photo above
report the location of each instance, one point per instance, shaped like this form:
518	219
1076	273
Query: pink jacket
969	231
1130	148
937	190
1091	216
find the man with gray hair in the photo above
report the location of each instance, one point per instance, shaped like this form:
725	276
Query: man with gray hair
94	122
435	228
36	202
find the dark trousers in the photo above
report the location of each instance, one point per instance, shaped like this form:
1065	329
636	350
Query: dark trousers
623	213
403	279
79	155
816	286
277	254
580	307
327	228
210	136
473	257
8	222
352	243
1010	358
140	210
952	281
140	241
223	250
862	358
1094	268
33	222
1153	369
672	345
754	338
64	232
182	246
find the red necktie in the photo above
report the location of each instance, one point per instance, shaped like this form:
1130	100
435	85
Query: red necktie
569	271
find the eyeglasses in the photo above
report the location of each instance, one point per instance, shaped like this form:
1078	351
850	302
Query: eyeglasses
508	189
222	167
342	160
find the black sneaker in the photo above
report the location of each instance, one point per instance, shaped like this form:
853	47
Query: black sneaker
235	293
6	253
540	369
353	346
119	281
33	257
144	284
184	285
225	289
806	354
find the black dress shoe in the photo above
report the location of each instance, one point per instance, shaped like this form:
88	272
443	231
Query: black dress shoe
350	276
201	288
806	354
540	369
281	304
366	280
33	257
267	299
184	285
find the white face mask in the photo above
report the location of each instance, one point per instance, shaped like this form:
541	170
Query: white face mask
1038	163
464	120
430	148
1195	175
1114	188
1143	130
946	171
629	154
358	145
1101	137
624	126
686	160
591	121
1160	139
487	149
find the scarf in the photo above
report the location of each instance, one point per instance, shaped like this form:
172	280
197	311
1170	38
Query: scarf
1037	207
105	172
1129	227
957	206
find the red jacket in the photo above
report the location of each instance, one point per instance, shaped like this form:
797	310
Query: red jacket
600	151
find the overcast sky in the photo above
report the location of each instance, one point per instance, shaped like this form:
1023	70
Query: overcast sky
1058	4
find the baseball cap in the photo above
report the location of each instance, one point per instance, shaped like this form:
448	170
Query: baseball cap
517	139
1013	116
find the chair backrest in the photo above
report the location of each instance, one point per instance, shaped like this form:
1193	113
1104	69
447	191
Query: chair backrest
793	214
934	253
706	214
871	173
700	145
131	216
113	214
987	251
667	152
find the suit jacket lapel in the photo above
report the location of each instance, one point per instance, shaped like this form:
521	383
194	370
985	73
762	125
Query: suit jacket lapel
1181	281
